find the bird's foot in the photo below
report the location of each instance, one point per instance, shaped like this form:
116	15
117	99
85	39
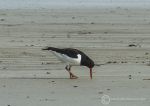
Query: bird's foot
72	76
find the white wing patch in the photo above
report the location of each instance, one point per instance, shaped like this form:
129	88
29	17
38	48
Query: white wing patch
67	59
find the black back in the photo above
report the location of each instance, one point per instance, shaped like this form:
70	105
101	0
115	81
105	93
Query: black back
67	51
85	60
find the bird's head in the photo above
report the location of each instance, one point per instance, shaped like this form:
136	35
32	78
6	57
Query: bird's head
88	63
91	64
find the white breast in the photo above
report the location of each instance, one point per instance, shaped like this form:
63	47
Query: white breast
67	59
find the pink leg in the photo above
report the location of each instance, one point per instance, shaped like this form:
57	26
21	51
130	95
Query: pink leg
72	76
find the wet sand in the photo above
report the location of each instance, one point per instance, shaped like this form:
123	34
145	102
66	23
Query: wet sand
116	37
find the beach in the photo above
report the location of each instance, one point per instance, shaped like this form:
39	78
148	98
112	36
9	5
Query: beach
116	38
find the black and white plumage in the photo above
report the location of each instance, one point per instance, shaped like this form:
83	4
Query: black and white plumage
72	57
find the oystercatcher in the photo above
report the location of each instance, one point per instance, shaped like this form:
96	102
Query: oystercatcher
72	57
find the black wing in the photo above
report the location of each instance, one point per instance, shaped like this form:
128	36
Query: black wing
67	51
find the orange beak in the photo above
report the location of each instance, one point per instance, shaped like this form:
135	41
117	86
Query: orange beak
91	73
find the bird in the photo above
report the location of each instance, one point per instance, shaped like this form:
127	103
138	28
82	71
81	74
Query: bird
72	57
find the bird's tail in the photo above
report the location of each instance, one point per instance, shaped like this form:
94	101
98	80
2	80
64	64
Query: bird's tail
50	48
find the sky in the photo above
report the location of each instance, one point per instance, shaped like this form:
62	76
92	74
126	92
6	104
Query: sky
32	4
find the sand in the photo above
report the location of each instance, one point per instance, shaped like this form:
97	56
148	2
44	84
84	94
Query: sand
119	38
